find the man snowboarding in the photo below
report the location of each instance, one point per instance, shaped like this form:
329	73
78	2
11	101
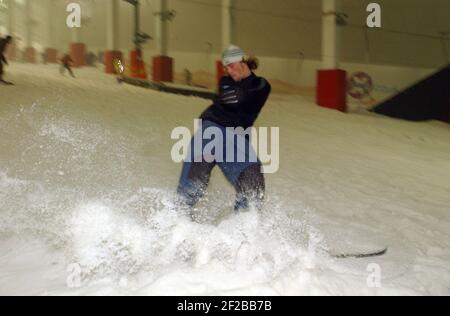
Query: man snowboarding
66	62
4	42
241	97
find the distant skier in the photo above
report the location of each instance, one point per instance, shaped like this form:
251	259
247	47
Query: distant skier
4	42
241	97
66	62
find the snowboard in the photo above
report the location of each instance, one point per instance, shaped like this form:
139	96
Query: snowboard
375	253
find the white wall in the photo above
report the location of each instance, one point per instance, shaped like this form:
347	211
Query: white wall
270	28
285	34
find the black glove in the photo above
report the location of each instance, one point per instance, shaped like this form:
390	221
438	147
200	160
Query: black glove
232	96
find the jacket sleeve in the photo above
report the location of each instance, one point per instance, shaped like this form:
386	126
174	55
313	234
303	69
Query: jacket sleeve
257	95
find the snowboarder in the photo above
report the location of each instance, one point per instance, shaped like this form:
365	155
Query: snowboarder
66	62
4	42
241	97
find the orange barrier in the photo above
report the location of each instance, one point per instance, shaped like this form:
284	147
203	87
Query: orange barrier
109	58
29	55
137	65
11	51
51	56
332	89
162	69
78	54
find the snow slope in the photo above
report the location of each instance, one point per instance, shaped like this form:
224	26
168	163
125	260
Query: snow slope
87	198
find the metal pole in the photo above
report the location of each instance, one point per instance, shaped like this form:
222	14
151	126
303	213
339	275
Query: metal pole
136	26
139	38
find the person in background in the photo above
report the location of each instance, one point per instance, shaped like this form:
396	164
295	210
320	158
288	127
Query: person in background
4	42
66	62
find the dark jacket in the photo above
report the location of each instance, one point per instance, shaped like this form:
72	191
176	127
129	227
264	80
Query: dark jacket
3	44
238	104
